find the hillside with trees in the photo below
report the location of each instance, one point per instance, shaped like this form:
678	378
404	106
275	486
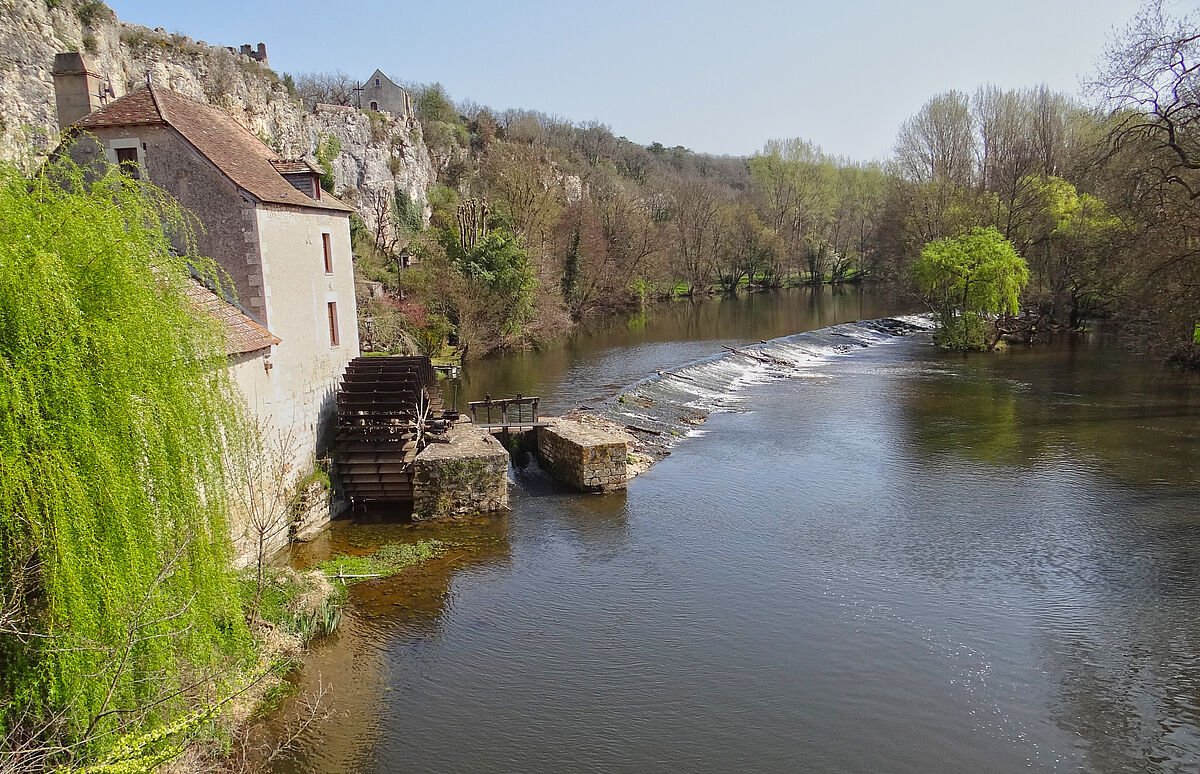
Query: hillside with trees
538	222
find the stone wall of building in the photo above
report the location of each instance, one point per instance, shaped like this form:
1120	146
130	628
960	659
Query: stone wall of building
310	510
583	456
381	94
467	476
228	232
306	365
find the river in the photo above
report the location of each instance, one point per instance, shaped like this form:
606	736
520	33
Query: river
873	556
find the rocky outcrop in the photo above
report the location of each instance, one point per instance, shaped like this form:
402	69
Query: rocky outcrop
381	153
378	152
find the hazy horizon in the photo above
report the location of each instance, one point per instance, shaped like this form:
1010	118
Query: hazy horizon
691	74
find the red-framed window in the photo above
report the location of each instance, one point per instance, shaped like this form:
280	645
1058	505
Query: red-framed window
334	338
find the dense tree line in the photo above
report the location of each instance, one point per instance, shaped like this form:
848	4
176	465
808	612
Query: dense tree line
1099	198
537	223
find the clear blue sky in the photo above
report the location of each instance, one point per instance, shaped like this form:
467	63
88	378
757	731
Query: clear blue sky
715	77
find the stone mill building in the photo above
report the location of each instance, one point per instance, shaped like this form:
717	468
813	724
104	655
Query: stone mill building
282	241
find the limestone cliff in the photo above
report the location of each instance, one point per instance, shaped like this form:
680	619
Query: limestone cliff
378	152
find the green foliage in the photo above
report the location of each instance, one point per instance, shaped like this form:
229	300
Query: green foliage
570	276
431	337
273	699
328	148
143	753
379	125
92	11
499	263
388	559
443	200
285	601
433	104
113	405
968	278
407	214
316	475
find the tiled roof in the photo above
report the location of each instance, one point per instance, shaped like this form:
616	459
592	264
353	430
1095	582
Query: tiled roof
136	109
242	334
293	167
241	156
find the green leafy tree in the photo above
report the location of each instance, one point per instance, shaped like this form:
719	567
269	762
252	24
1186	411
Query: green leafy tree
499	264
1069	240
115	588
329	147
968	281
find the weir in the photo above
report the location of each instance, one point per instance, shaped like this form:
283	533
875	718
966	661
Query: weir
396	446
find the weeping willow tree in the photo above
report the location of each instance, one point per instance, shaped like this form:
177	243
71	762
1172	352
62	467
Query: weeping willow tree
118	604
968	281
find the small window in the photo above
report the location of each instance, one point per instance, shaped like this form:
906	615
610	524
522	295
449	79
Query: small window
327	246
334	339
127	159
375	106
376	81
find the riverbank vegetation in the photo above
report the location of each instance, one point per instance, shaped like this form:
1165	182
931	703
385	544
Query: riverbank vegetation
385	561
538	222
971	281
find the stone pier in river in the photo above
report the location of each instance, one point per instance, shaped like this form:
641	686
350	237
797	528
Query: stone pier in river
583	456
466	476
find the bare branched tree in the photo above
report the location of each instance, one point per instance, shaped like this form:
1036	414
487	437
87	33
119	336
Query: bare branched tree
264	474
331	88
250	753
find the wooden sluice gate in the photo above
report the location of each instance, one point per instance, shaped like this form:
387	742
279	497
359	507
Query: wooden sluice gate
388	409
503	414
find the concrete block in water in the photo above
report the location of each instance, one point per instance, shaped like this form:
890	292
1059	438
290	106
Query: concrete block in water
467	476
583	456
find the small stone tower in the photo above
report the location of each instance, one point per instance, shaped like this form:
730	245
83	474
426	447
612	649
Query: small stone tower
77	88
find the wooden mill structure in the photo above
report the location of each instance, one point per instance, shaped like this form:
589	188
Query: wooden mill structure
387	408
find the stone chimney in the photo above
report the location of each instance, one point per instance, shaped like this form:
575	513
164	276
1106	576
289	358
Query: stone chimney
76	88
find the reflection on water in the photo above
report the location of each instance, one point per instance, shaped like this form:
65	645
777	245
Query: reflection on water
904	560
592	364
408	608
1029	405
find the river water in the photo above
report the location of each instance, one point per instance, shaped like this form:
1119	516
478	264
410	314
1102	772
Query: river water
873	556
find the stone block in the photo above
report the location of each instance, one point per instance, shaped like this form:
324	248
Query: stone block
310	511
465	477
583	456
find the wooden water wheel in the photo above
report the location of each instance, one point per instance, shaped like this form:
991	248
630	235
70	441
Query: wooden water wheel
388	409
